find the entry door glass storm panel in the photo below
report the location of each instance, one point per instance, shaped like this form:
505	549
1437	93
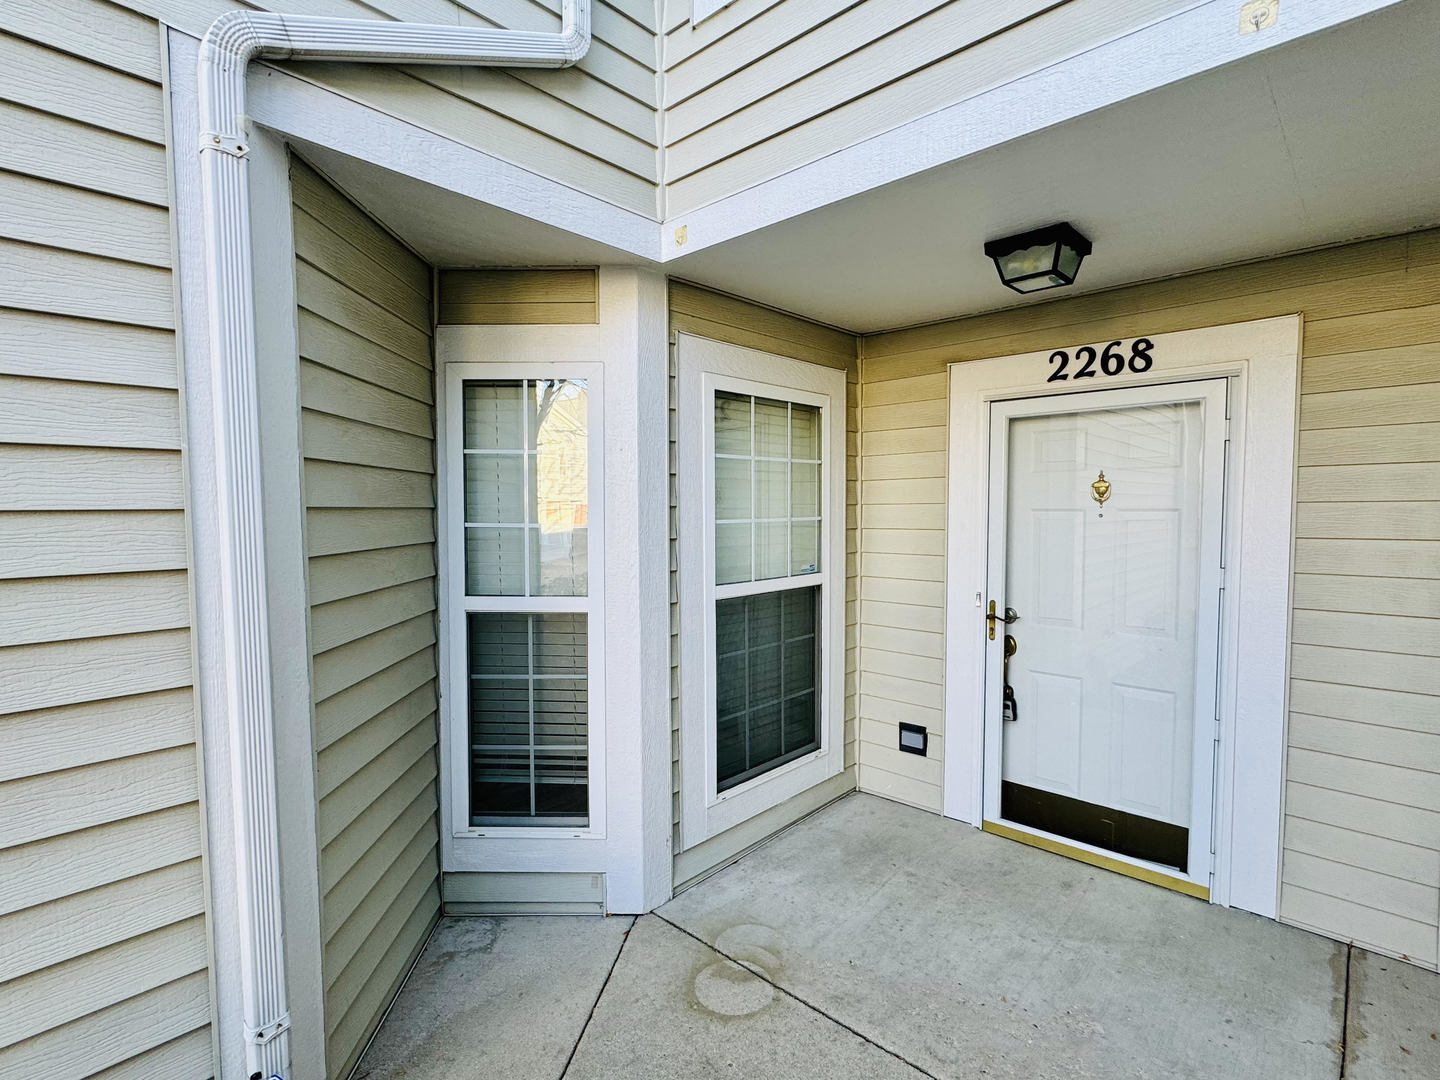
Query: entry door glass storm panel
526	500
1104	574
767	555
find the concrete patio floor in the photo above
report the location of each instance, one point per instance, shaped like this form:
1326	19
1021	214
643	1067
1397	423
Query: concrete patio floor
874	940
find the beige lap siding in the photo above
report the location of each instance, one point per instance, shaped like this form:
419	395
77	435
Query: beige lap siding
367	432
1362	799
694	310
592	127
762	86
103	972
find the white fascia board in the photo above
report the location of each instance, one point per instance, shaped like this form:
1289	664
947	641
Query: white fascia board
298	107
1186	44
1178	47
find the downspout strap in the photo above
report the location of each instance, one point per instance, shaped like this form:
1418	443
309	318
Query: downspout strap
234	145
263	1034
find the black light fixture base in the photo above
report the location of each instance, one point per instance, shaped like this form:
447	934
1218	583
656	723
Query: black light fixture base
1045	258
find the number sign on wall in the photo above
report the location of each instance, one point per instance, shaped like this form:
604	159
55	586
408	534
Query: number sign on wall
1112	361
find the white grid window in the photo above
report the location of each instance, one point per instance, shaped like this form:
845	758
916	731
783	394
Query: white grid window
767	488
523	602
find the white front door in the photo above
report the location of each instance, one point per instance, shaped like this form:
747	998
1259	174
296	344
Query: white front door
1106	528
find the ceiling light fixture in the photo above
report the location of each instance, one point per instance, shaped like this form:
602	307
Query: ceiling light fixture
1043	258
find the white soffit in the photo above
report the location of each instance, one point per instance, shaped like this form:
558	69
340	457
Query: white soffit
1317	141
1324	140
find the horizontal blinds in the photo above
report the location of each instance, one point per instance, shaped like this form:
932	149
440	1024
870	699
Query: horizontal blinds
529	712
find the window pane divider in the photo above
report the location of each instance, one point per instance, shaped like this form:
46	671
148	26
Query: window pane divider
579	605
767	585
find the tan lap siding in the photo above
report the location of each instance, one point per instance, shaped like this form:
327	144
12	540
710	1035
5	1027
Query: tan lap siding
102	902
367	429
762	87
698	311
592	126
1362	827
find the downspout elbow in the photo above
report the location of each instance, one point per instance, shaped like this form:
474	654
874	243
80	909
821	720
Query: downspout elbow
574	31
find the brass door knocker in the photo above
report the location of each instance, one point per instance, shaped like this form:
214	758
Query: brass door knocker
1100	490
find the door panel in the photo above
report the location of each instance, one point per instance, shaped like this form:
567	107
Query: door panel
1103	744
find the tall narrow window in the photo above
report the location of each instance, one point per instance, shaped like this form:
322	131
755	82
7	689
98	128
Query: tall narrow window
767	529
525	445
761	442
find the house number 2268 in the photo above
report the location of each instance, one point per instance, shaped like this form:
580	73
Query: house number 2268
1112	360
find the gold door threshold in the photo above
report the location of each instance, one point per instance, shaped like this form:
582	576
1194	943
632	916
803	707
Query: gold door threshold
1105	862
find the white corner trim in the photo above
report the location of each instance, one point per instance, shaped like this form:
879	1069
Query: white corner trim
634	332
1262	360
1174	48
228	532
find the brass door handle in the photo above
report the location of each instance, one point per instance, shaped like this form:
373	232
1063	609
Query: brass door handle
1010	616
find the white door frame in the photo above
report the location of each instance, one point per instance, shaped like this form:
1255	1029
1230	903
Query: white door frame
1261	359
1212	394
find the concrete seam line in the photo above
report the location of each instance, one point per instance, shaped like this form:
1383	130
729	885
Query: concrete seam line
596	1003
232	42
796	997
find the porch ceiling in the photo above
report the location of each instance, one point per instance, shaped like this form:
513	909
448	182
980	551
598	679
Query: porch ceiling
1330	138
1326	139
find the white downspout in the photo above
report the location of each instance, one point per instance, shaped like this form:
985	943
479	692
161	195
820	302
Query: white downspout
231	43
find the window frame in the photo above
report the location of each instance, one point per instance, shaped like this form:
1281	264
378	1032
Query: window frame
704	367
456	605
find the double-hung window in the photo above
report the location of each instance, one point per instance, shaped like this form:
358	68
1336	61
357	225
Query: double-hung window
762	580
523	543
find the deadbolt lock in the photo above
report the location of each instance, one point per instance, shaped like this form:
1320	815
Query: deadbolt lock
1010	616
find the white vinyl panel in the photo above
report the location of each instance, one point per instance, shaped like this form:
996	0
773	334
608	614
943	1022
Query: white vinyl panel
70	736
94	30
46	806
88	414
112	542
101	917
122	1033
38	610
67	283
53	996
72	863
50	147
57	215
42	345
42	78
36	477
